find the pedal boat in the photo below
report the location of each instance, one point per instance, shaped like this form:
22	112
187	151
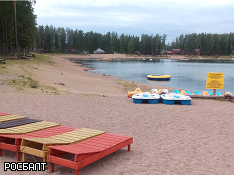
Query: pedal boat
131	93
146	97
158	77
173	98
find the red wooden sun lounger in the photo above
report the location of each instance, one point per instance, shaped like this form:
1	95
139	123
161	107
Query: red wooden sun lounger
88	151
13	142
40	146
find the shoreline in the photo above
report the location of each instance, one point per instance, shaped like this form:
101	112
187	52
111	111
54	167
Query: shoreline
134	56
45	75
122	85
61	84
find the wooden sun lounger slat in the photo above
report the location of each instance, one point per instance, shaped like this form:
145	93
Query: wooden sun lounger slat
13	142
19	122
88	151
28	128
4	118
96	144
61	139
68	137
2	114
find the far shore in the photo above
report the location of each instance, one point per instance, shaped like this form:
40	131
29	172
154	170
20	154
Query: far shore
134	56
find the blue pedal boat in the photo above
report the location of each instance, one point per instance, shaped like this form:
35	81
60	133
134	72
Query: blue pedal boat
173	98
146	97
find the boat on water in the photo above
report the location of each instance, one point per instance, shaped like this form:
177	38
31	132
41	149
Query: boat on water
173	98
146	97
158	77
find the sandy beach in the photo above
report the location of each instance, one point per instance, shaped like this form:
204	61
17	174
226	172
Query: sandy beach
197	139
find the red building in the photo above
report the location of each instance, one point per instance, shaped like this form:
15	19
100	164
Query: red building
40	50
175	52
197	51
168	52
73	51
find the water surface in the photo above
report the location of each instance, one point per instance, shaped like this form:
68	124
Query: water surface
185	74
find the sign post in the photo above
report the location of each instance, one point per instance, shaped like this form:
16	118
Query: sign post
214	81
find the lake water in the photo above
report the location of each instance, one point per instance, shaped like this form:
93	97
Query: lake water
185	74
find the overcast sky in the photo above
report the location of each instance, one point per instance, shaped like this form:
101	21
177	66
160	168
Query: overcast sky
136	17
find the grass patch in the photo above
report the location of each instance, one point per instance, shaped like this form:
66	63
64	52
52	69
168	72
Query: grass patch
229	57
21	68
38	59
26	83
22	83
126	85
2	69
94	95
49	90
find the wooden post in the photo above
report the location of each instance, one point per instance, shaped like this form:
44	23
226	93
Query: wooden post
24	159
129	147
76	172
18	156
51	167
214	91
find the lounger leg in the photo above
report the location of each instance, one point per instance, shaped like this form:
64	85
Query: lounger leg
129	147
24	155
17	144
77	172
45	160
18	156
51	167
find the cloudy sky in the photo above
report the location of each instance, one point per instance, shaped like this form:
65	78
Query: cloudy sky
136	17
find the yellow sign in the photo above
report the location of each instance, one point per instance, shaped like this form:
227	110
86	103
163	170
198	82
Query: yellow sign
214	80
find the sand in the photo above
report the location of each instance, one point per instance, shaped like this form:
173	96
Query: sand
167	139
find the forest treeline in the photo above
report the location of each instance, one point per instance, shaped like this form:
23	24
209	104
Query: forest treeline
63	40
209	44
23	15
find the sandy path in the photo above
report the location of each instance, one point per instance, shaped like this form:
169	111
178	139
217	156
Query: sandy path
171	140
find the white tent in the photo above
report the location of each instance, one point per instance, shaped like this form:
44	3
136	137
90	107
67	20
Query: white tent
99	51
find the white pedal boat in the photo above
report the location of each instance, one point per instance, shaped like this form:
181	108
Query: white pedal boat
173	98
146	97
